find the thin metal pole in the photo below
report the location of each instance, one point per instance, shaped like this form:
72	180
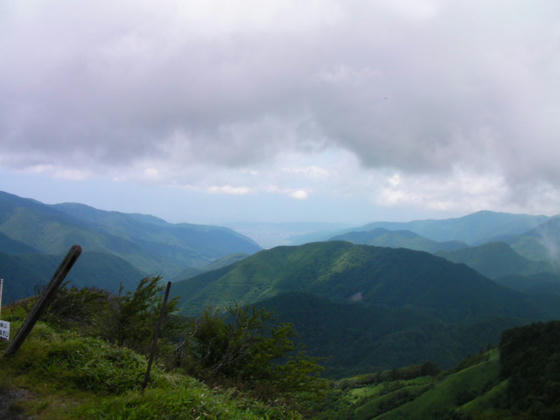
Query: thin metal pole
156	336
45	299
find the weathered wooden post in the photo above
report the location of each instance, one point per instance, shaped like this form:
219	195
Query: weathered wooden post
44	299
1	290
156	336
4	325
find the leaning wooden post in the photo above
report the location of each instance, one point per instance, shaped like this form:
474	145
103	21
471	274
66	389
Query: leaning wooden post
156	336
1	290
44	299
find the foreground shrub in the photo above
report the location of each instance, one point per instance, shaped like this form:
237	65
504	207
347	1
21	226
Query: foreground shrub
241	349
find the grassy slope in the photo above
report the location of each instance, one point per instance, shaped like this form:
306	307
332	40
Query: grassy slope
517	380
472	388
69	376
450	392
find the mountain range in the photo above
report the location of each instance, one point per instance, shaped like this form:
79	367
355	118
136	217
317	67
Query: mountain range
398	239
123	245
475	228
368	307
383	295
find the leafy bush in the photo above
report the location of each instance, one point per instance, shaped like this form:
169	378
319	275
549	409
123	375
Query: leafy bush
126	320
244	351
86	309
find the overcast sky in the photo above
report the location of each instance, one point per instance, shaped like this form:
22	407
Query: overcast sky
344	111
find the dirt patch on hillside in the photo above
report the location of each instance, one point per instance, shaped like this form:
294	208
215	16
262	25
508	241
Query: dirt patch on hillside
9	403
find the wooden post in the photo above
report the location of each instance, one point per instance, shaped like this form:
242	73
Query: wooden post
1	290
156	336
44	299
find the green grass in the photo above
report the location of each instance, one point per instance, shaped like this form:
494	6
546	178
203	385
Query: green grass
187	400
454	390
70	376
473	388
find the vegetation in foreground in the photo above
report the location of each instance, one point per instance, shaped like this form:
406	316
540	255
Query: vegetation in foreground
519	380
87	359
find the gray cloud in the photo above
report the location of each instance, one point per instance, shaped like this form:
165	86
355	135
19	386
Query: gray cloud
421	86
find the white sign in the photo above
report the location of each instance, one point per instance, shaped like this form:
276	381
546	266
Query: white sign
4	330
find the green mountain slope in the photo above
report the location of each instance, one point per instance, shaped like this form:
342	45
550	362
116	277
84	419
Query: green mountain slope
9	246
151	244
535	284
344	272
450	395
398	239
495	259
219	263
517	380
158	236
541	243
356	338
23	273
475	228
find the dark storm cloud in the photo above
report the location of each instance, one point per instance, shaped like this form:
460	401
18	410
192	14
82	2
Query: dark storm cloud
420	86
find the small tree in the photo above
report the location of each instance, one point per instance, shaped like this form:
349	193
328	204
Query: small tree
135	314
241	348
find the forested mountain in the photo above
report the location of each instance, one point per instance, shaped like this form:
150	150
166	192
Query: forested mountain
536	284
369	307
23	273
496	259
345	272
150	244
356	338
398	239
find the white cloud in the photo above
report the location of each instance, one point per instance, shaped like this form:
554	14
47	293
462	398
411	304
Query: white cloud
299	194
309	171
228	189
217	95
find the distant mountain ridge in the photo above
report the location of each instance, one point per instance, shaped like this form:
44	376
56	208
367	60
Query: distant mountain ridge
474	228
147	242
496	259
541	242
398	239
